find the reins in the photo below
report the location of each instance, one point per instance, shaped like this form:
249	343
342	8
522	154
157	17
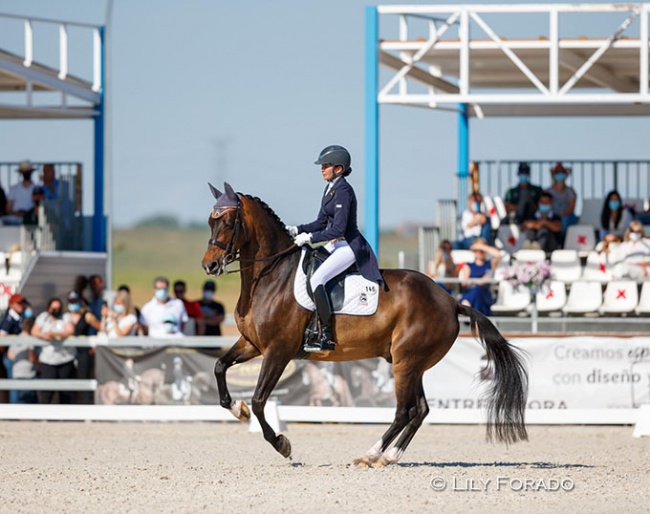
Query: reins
284	252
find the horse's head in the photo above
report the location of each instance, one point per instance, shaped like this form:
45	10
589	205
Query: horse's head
225	228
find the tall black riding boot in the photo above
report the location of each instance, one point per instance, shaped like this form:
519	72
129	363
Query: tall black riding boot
324	310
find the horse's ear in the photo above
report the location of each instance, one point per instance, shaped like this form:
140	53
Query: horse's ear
215	192
230	193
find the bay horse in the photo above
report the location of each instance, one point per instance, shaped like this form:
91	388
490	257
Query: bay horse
415	325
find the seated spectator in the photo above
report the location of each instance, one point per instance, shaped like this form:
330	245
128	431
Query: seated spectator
443	265
615	218
543	231
163	316
631	258
213	311
50	182
120	321
478	296
20	200
195	325
473	223
521	200
564	198
56	361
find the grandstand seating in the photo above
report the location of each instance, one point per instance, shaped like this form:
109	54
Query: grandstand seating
510	300
643	307
551	298
565	265
597	267
585	297
529	255
581	238
462	256
509	238
493	215
621	297
500	207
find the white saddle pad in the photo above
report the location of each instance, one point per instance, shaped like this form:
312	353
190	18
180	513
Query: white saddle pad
361	295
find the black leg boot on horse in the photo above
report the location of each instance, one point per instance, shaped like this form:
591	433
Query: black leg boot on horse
325	342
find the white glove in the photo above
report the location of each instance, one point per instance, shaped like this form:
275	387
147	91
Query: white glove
302	239
293	230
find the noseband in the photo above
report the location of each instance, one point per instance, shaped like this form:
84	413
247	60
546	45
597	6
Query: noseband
230	254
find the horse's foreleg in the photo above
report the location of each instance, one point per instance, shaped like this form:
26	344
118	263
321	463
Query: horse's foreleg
271	371
405	391
395	453
241	351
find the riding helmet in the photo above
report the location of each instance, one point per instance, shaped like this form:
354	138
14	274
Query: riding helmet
335	155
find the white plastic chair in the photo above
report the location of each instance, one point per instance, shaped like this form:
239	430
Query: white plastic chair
552	297
524	256
500	207
462	256
585	297
565	265
492	213
504	264
643	307
509	238
510	300
580	237
591	209
597	267
621	297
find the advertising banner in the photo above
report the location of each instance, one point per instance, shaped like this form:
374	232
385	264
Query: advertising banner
564	373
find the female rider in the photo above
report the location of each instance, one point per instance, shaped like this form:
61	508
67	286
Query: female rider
337	224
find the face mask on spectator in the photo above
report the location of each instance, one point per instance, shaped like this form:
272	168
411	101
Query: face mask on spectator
118	308
560	177
524	179
74	307
476	206
28	313
56	313
614	205
161	294
635	236
545	209
208	295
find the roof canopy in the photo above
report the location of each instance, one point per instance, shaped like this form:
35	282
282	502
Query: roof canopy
460	57
26	79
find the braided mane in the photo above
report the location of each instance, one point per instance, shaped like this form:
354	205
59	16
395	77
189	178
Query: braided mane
265	207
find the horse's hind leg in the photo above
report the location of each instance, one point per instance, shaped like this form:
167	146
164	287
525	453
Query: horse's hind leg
272	369
421	410
406	388
241	351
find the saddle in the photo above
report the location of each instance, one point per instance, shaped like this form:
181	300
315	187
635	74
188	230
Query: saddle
335	288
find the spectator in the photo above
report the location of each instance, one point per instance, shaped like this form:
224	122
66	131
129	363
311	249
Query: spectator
478	296
50	182
136	310
3	202
56	360
543	231
99	296
473	223
20	200
80	285
163	316
213	311
83	320
564	198
521	200
120	321
615	218
443	265
12	324
632	257
30	217
195	325
24	360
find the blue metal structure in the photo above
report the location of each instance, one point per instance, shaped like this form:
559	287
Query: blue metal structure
371	227
99	223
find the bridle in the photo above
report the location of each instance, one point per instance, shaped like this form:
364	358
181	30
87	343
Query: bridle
230	253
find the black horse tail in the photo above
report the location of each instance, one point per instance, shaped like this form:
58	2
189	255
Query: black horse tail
507	395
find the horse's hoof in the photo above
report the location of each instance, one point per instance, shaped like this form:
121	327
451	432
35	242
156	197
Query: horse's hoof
244	412
362	462
283	446
383	461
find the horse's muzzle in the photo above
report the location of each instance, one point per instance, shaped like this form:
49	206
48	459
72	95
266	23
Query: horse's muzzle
212	268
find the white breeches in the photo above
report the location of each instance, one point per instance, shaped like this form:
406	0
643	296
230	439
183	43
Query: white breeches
341	258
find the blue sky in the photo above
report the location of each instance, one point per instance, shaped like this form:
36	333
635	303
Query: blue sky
249	92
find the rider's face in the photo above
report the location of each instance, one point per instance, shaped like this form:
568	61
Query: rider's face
328	171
